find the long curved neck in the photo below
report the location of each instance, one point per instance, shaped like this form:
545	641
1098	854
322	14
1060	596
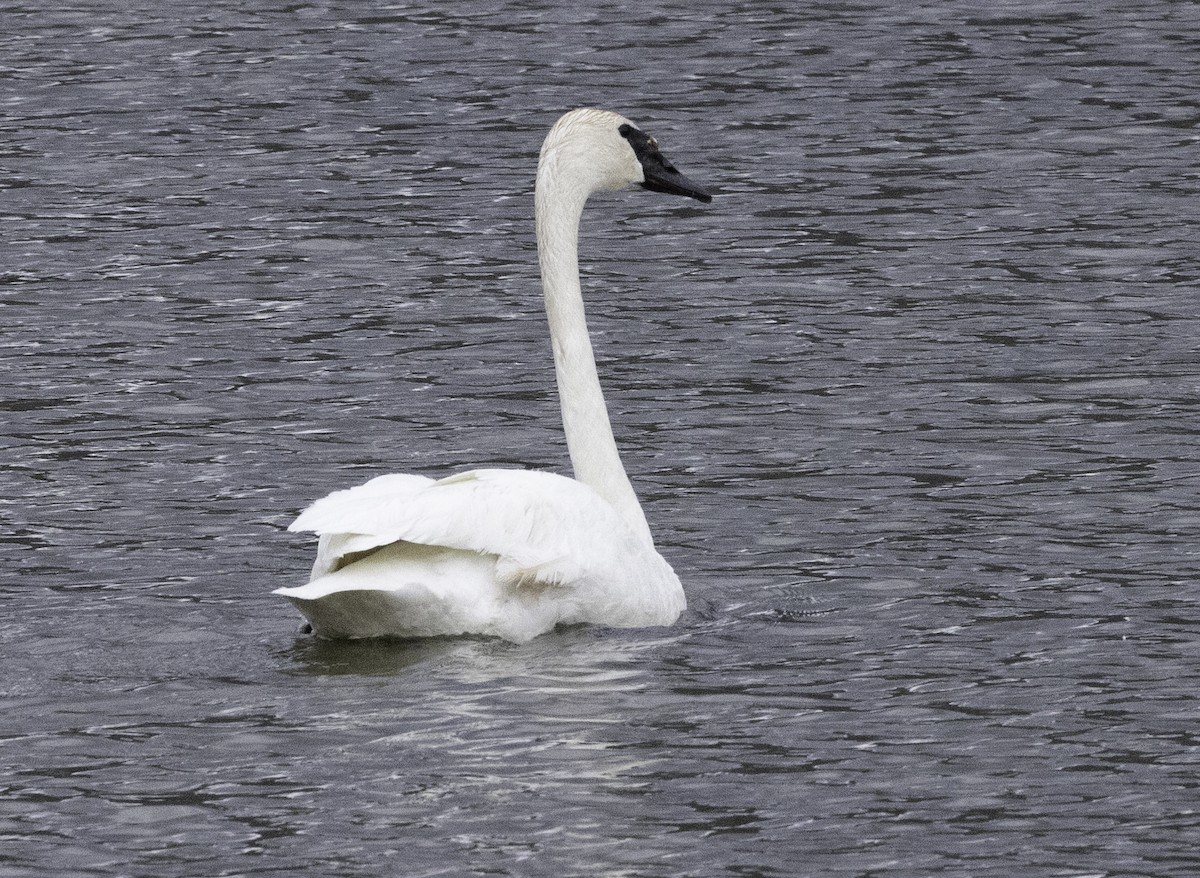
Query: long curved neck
594	456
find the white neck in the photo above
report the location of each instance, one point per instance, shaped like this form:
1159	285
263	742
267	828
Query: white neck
594	456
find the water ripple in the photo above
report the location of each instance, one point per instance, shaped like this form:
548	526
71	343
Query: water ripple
911	408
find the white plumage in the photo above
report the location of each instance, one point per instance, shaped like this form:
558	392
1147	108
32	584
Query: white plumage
512	553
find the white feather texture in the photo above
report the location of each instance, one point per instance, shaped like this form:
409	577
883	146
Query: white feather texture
508	553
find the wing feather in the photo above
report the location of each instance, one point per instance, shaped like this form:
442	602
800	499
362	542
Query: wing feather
544	529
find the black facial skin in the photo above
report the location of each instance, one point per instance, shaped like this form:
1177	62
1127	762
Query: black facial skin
661	175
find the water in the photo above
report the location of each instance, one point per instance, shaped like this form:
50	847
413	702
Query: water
912	407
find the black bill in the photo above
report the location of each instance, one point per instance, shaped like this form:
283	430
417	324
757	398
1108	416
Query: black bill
660	174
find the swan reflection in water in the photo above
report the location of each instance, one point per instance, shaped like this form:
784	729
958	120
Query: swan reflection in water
504	552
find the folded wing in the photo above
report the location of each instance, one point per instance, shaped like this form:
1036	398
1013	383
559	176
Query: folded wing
543	529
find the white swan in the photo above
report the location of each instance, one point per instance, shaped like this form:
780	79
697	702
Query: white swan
512	553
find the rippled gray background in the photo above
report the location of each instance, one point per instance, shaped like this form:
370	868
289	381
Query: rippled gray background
912	407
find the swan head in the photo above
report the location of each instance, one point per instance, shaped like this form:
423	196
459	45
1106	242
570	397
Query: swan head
600	151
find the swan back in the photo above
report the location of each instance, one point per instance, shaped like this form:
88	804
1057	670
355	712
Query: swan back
508	553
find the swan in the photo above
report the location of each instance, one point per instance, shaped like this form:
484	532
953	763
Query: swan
512	553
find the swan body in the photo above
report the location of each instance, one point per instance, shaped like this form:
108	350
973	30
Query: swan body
512	553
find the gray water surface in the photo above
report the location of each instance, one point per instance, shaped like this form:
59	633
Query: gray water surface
912	408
